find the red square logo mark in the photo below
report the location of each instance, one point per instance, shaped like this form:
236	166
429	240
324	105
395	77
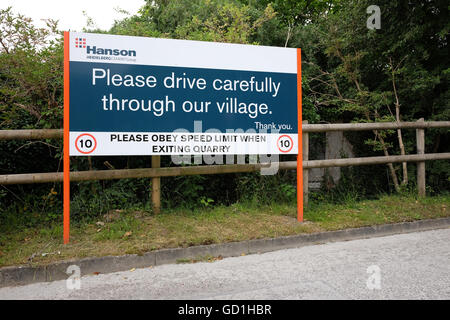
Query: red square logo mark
80	42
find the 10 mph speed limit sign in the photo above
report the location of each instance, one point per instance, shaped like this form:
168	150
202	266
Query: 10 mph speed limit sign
85	143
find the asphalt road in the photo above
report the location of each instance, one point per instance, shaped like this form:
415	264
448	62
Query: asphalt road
406	266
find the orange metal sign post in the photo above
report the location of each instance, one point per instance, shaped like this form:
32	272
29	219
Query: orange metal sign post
66	160
300	141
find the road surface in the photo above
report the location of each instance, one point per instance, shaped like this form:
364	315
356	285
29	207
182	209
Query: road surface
406	266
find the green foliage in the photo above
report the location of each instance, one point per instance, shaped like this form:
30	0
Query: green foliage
185	191
212	20
206	202
98	198
357	74
30	72
258	189
351	187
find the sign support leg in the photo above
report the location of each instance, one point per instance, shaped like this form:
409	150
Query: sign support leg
300	142
66	156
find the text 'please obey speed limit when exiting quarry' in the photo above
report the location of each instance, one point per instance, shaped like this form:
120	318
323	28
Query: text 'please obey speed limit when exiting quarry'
148	96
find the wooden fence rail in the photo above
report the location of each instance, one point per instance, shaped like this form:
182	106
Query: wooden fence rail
36	134
46	177
156	172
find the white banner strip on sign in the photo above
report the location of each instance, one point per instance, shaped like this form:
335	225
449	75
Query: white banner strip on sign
180	143
90	47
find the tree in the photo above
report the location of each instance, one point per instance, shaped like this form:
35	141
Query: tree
214	20
294	13
399	72
31	70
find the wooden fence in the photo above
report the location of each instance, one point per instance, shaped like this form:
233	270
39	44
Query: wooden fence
156	172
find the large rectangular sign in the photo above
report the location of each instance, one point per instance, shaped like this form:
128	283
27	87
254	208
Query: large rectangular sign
148	96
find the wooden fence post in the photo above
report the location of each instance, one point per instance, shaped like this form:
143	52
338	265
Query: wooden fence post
156	186
420	140
305	147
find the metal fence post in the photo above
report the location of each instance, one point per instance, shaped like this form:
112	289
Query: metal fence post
156	186
420	140
305	147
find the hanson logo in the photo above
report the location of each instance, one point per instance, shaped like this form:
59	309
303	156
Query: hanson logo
81	43
110	52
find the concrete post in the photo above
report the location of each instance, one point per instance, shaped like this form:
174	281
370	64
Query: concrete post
420	139
305	143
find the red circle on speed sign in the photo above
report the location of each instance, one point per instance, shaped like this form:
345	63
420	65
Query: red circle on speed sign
286	146
89	143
